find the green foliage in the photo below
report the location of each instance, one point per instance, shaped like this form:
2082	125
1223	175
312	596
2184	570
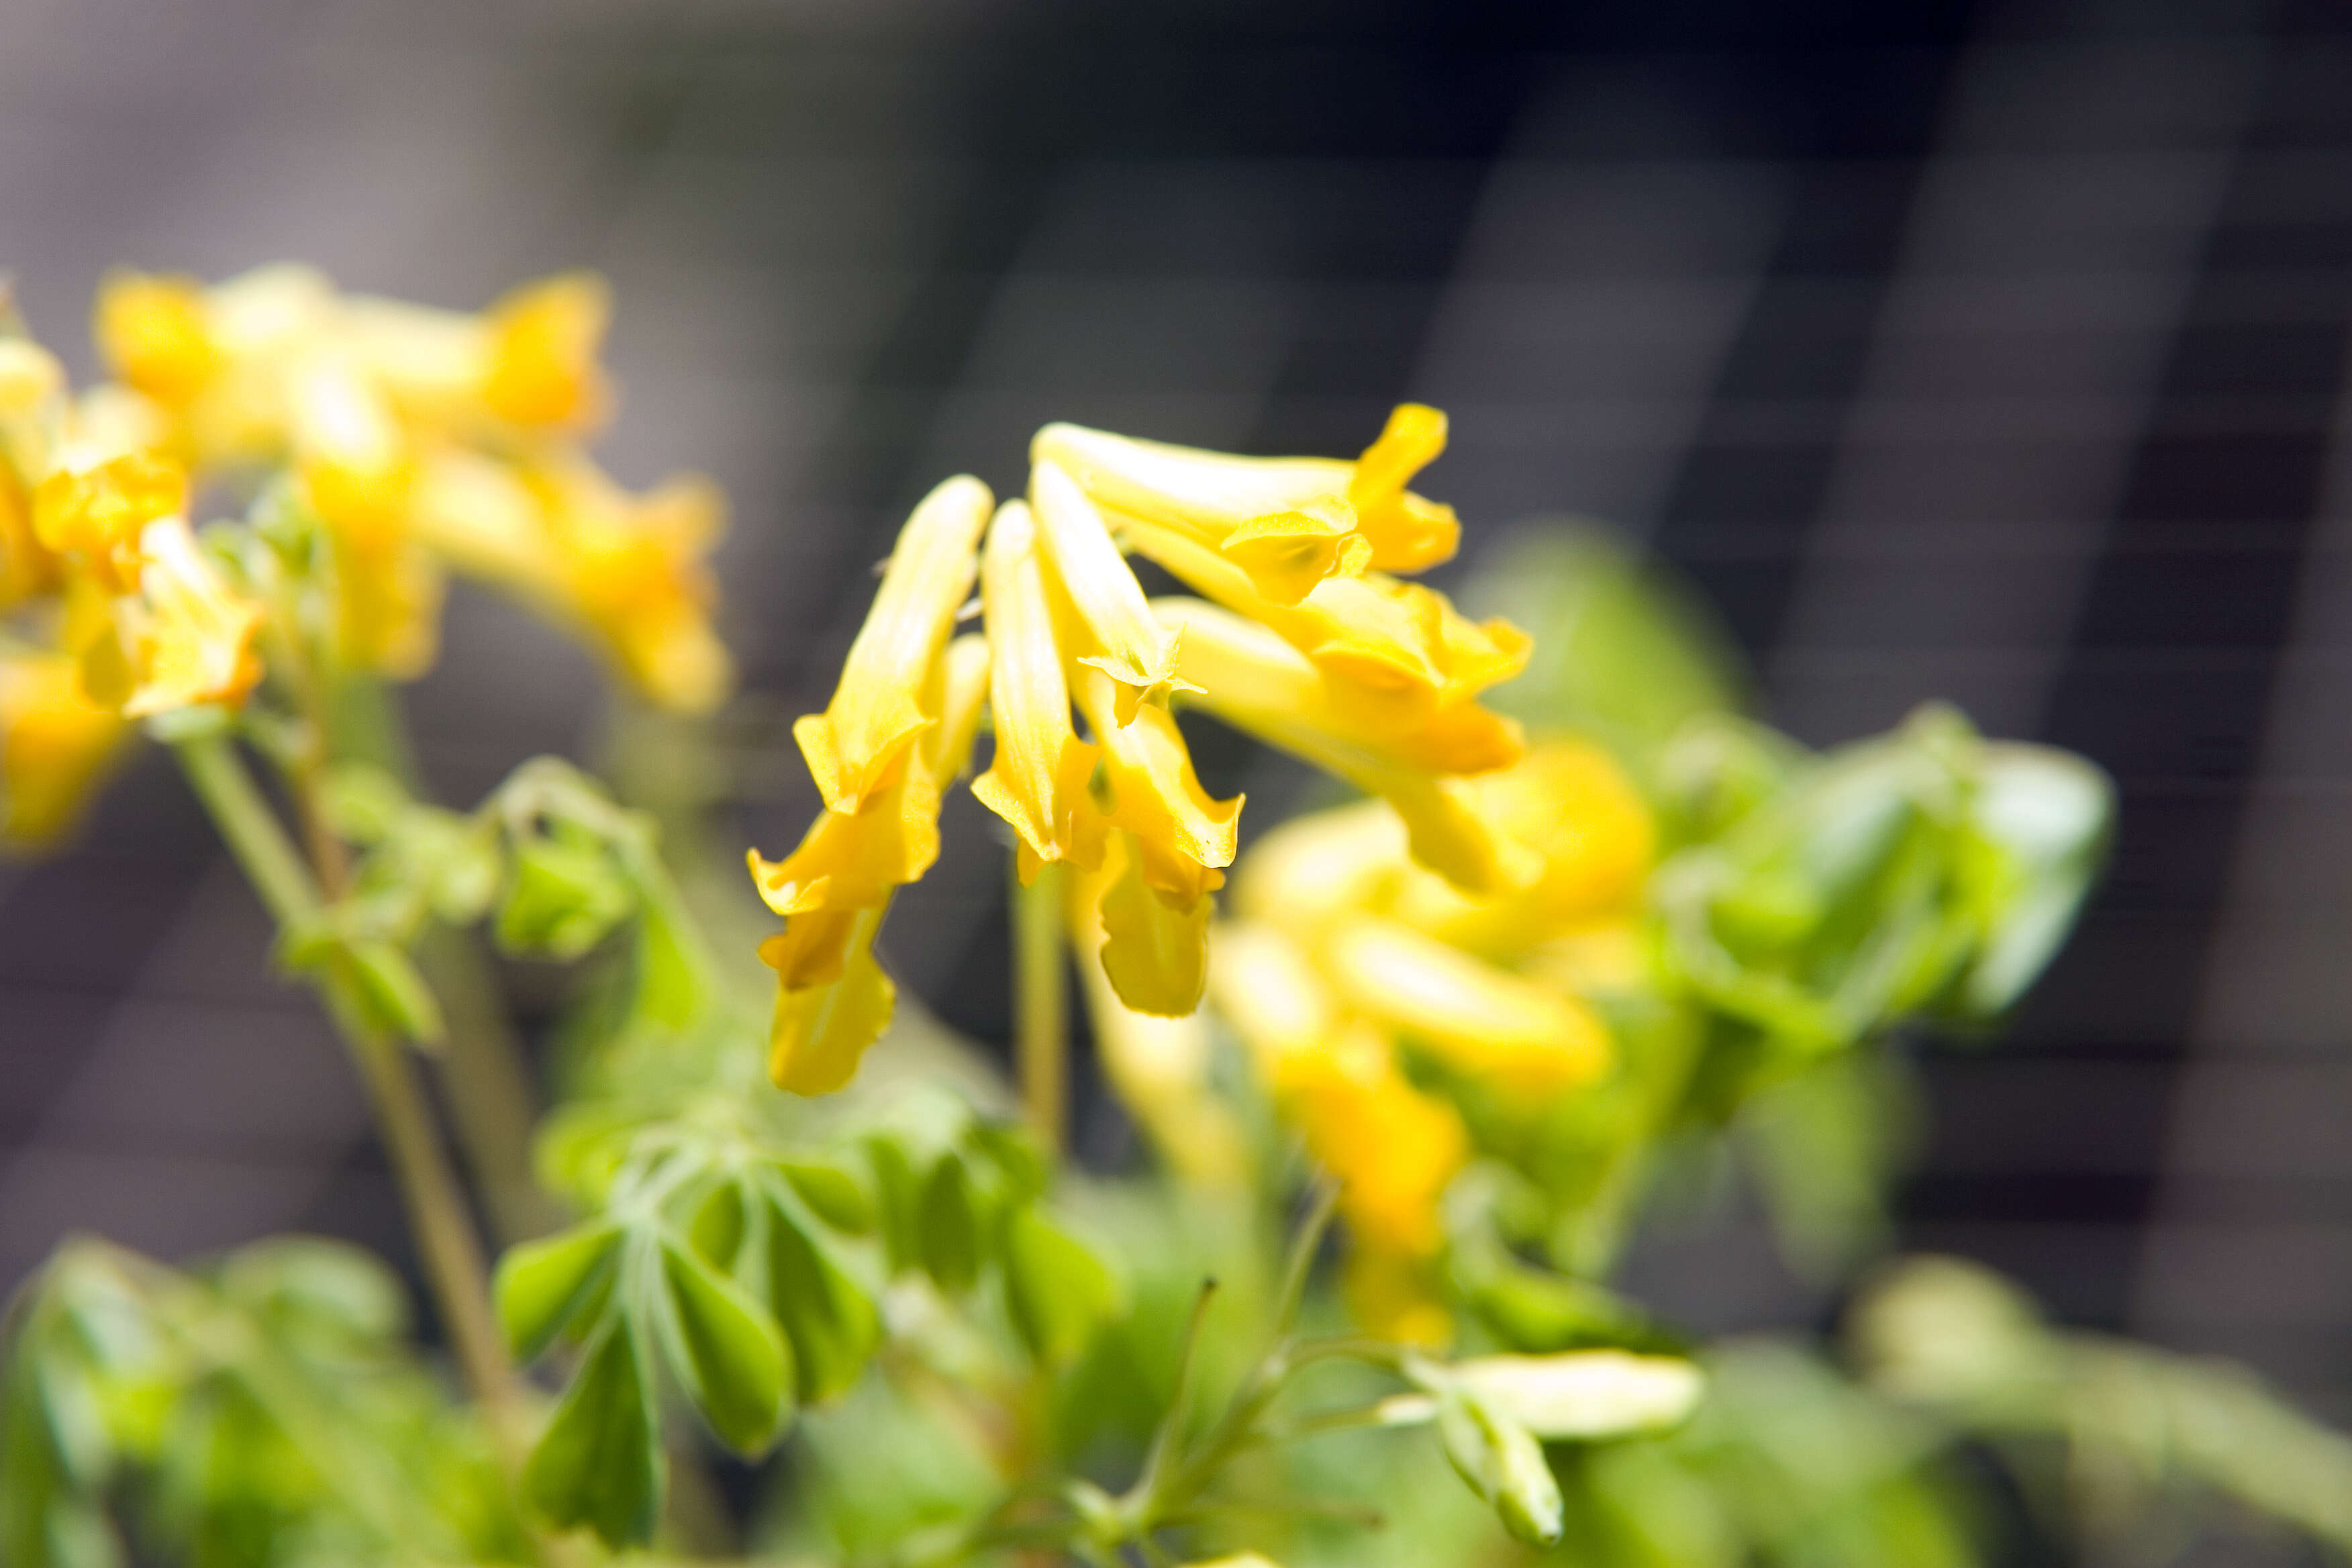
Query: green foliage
266	1411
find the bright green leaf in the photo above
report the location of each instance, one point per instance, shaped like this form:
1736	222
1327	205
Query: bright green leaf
1059	1291
831	1193
726	1352
561	899
542	1285
833	1325
598	1464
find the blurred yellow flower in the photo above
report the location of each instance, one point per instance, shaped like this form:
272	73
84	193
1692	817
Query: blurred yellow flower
55	744
1037	783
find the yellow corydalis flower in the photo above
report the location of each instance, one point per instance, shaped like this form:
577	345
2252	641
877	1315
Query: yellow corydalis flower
1392	1147
875	712
834	999
55	743
1037	780
631	571
189	633
97	513
1125	642
1253	680
1183	837
1287	523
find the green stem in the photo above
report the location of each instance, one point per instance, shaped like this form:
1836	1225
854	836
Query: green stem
1040	1021
445	1241
481	1063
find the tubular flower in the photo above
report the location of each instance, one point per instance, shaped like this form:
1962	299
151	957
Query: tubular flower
372	403
835	888
1392	1147
1285	546
1348	954
55	743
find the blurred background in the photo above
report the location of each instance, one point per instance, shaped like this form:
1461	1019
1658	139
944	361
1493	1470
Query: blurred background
1989	351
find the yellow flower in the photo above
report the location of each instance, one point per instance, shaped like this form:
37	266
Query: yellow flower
1160	1065
1285	523
1037	780
156	333
875	713
1490	1023
55	745
632	572
1182	838
1127	642
98	513
190	634
835	888
544	340
1256	682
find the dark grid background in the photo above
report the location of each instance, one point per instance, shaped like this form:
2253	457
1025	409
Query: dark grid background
1995	353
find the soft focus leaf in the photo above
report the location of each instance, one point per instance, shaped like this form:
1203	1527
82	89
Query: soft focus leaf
727	1353
542	1285
563	897
831	1192
2049	813
1058	1290
833	1327
948	1225
598	1464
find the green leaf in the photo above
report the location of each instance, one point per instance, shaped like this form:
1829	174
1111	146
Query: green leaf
542	1285
672	989
717	1230
1058	1291
726	1352
831	1323
395	995
948	1225
2050	812
1007	1146
895	1184
1502	1462
562	897
363	802
598	1464
832	1194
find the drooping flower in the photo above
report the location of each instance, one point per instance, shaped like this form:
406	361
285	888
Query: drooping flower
1373	679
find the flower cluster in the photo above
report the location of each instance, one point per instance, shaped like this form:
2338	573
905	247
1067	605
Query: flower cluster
1303	637
418	439
1347	960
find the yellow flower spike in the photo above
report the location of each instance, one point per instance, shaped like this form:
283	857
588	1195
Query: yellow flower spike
857	859
1131	647
157	333
98	513
193	635
1183	839
875	714
1407	534
1285	522
1524	1036
1155	948
1253	683
1037	780
1159	1067
1398	643
544	340
822	1029
55	745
